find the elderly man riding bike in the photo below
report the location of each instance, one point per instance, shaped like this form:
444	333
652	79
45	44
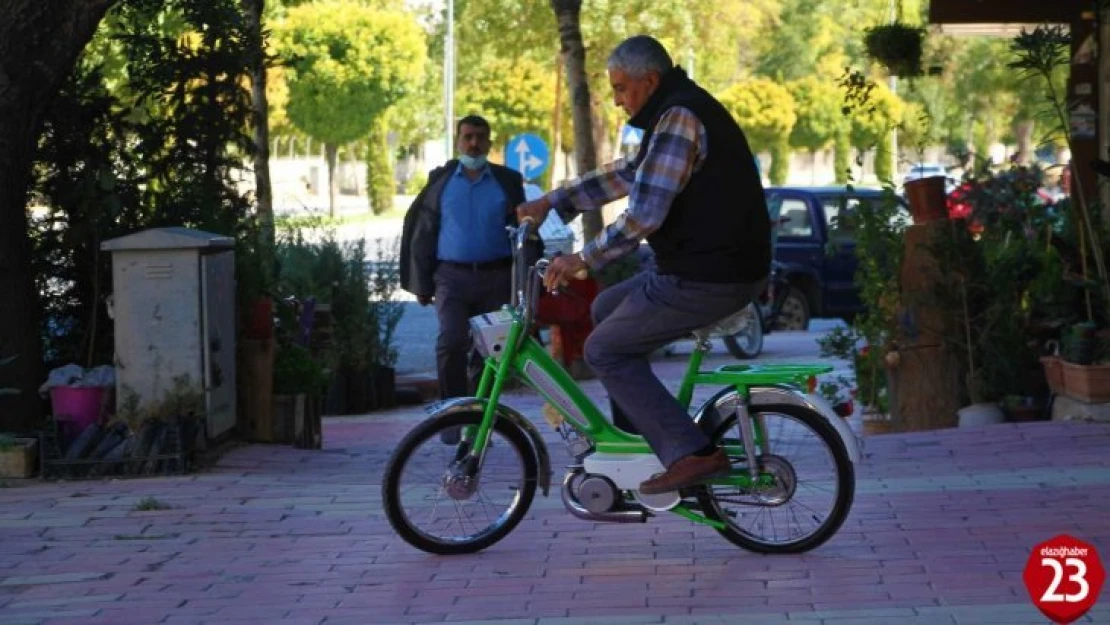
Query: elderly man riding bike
695	194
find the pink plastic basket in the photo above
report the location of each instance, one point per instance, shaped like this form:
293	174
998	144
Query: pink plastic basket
81	406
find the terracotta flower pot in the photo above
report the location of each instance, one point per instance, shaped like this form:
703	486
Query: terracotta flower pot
927	199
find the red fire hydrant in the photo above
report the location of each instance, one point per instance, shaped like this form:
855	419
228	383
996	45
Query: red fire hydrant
568	315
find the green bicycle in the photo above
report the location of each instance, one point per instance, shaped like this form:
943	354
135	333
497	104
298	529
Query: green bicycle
792	481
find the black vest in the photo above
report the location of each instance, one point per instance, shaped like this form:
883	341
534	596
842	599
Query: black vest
717	229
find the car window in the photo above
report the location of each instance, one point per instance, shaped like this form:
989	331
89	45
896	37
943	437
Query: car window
839	215
794	217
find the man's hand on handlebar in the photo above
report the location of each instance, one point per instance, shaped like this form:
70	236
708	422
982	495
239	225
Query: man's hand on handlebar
563	269
536	209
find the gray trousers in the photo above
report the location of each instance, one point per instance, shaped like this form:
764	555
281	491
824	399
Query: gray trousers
461	294
635	318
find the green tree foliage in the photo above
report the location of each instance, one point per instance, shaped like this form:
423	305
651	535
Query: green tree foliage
872	123
764	109
809	40
515	95
509	29
348	64
818	107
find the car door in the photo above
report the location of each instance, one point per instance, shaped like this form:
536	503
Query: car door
797	240
840	210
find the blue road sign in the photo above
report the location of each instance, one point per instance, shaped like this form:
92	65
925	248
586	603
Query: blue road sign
631	136
527	153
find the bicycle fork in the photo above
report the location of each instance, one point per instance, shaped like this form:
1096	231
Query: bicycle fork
748	438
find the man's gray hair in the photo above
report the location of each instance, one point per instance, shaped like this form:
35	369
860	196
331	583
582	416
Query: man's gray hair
636	56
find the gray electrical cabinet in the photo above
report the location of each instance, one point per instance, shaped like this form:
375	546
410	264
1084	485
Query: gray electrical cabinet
173	303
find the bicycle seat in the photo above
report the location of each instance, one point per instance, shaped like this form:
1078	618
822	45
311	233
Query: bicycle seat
727	326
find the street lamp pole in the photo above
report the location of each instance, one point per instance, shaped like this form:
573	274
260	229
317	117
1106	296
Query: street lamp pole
894	91
449	81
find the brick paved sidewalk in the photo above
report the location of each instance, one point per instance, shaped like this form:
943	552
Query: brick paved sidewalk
941	529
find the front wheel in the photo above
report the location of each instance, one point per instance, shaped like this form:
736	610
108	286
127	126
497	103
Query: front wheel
436	499
810	483
747	342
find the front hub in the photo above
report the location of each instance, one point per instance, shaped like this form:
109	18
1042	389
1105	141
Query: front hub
460	481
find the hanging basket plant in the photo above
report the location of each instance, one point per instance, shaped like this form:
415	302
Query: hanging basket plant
898	47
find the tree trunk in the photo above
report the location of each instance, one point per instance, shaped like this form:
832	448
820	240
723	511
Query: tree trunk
603	146
40	41
253	10
1023	132
557	117
330	152
574	52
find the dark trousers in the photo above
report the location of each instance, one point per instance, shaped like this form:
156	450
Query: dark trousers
462	294
637	317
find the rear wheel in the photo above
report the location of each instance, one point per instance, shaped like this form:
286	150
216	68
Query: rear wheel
747	342
437	502
811	492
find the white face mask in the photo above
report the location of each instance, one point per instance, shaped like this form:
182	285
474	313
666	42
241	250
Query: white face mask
472	162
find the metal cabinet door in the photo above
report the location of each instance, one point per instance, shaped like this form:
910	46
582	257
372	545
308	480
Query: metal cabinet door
218	308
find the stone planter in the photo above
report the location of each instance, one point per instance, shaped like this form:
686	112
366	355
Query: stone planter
1089	383
980	414
21	460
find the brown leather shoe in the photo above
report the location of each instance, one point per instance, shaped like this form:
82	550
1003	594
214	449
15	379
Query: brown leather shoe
687	472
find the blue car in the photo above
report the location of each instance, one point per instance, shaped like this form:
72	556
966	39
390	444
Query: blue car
821	276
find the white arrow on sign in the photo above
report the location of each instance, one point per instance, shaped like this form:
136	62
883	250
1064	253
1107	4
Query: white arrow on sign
527	161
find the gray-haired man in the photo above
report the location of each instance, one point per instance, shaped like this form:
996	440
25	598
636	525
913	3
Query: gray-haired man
695	195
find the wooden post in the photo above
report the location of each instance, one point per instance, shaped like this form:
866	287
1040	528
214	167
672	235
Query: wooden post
928	371
257	389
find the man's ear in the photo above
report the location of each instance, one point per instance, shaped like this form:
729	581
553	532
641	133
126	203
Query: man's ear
653	79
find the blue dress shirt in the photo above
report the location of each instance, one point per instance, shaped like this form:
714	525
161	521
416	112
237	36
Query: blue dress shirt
472	219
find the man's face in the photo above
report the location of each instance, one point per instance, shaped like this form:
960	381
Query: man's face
631	92
473	140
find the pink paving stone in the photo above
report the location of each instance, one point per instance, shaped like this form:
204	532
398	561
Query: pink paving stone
873	539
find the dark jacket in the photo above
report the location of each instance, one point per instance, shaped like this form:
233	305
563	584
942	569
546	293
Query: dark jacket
717	229
420	236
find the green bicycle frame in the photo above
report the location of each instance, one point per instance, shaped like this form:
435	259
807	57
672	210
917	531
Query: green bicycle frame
523	357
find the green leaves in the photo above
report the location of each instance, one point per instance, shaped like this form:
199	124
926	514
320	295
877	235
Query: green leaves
818	107
347	63
515	95
764	109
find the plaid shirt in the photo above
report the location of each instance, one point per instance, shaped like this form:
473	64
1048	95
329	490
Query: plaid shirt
676	150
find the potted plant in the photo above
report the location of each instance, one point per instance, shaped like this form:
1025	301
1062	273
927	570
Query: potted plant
896	46
1085	364
299	384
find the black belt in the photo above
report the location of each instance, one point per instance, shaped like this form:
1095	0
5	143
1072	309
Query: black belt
500	263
